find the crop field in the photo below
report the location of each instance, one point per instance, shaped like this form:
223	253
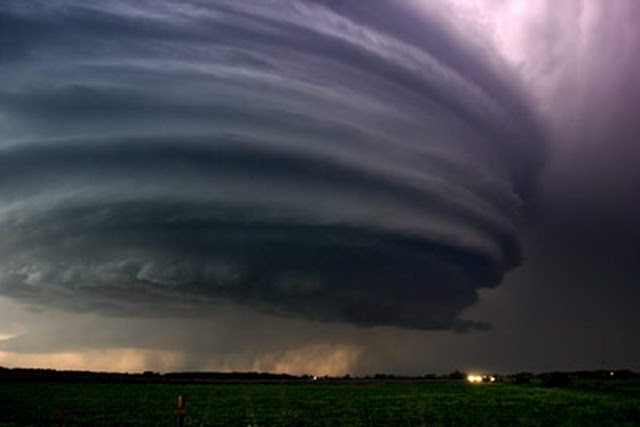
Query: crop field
428	404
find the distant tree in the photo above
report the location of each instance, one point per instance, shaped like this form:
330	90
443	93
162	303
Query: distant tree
457	375
522	377
623	374
555	379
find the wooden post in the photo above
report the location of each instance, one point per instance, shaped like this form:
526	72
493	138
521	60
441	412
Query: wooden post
62	413
180	411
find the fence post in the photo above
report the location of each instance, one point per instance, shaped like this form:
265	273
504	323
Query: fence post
180	411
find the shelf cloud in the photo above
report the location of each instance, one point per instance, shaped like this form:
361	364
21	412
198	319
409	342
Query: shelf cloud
301	158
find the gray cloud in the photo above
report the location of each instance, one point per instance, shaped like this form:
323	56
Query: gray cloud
297	157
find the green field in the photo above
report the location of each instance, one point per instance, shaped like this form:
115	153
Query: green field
438	403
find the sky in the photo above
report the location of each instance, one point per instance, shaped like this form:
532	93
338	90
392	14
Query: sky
326	187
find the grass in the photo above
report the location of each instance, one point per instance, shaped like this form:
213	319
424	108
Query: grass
417	404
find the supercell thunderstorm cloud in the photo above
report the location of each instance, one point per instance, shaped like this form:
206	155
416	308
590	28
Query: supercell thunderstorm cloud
313	159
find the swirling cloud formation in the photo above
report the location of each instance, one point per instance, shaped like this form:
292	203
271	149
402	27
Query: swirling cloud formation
305	158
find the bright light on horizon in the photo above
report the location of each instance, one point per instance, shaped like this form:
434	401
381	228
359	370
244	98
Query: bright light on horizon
474	379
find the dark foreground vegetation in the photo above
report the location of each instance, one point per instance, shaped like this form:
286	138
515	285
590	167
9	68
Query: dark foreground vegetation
595	398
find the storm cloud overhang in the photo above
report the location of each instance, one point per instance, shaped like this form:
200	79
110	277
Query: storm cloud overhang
290	158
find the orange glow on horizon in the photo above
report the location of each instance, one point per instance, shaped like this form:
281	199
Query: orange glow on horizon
316	359
104	360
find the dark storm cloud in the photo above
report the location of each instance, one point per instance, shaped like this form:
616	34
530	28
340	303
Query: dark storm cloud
290	156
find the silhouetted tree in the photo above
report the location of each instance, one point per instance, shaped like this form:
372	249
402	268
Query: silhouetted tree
522	377
555	379
457	375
